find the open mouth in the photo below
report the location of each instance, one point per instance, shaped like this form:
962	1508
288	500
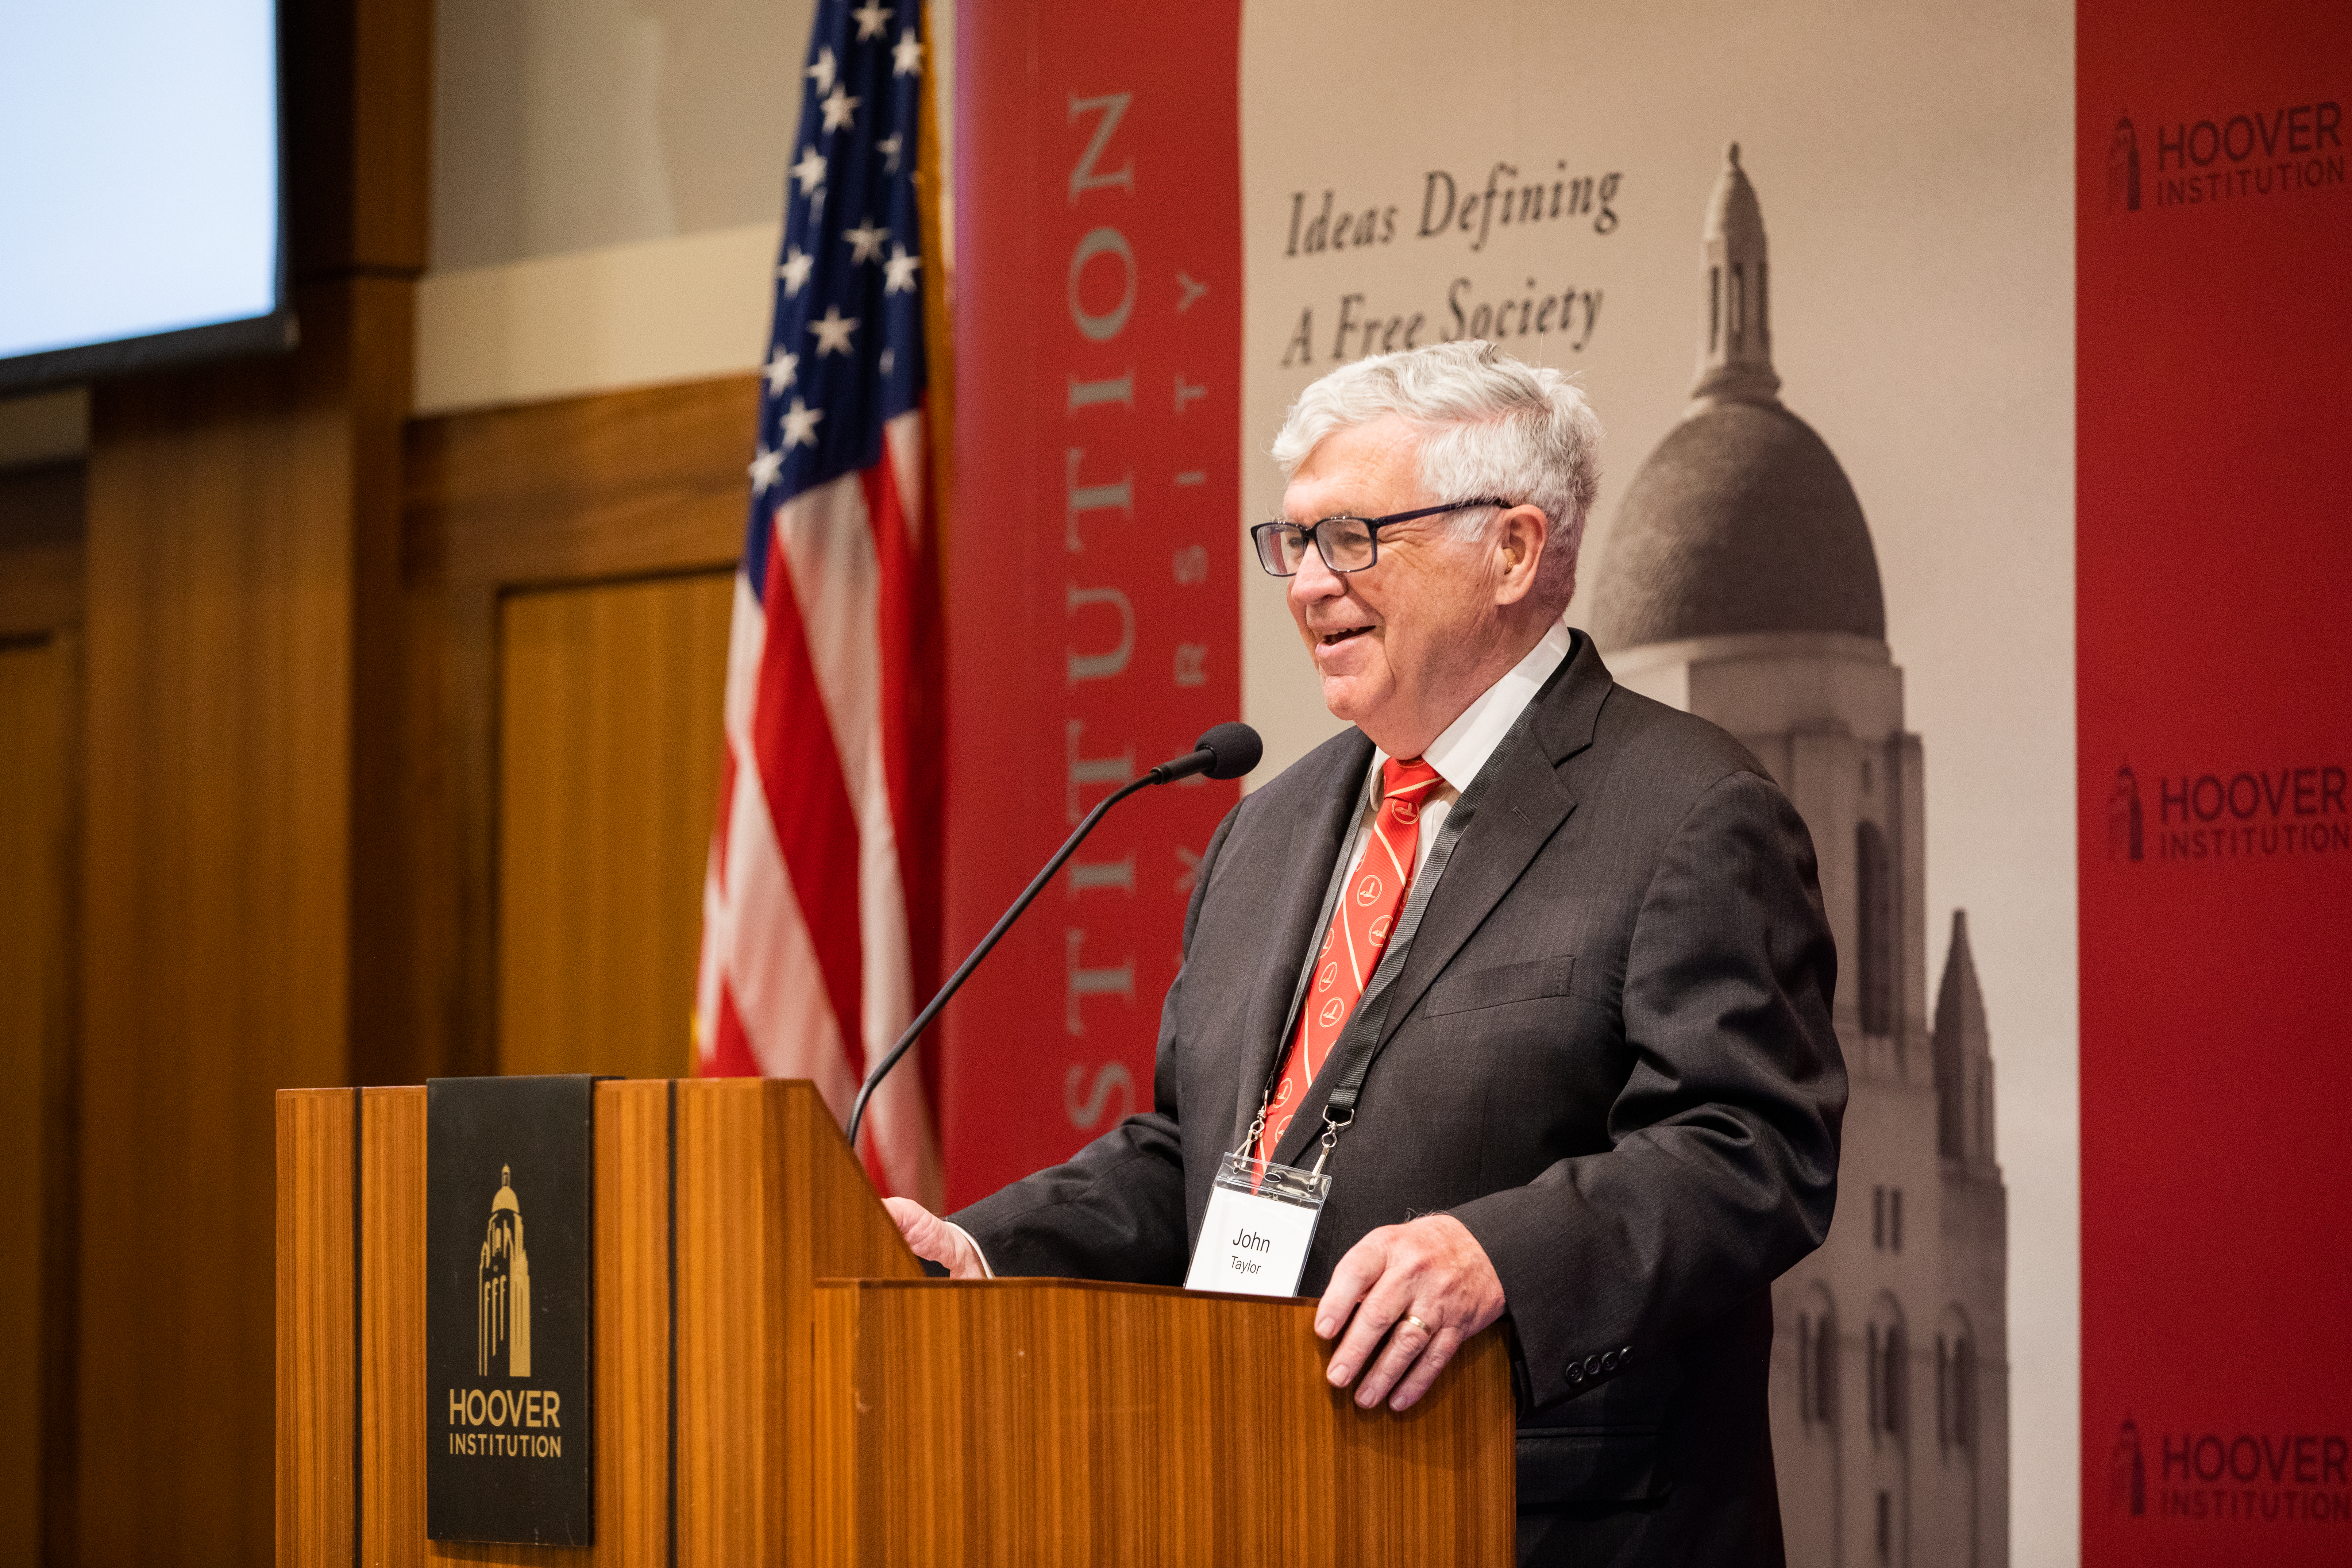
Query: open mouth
1333	640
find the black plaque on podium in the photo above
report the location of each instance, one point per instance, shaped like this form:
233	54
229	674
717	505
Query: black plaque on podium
510	1338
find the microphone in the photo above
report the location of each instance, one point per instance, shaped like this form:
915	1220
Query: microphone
1226	752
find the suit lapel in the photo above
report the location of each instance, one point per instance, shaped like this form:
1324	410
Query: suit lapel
1290	928
1520	812
1515	816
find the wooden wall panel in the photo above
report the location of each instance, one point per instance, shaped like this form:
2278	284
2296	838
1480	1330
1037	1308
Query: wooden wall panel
40	549
217	904
609	748
620	484
579	491
237	883
358	80
37	777
41	512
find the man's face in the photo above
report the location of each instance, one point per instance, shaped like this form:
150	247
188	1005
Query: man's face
1399	645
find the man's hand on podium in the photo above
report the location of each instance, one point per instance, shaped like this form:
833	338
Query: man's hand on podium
929	1237
1429	1282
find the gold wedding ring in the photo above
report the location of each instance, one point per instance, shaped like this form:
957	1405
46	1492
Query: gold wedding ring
1416	1322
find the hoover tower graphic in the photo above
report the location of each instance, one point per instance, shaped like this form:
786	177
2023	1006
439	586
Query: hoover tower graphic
502	1289
1739	582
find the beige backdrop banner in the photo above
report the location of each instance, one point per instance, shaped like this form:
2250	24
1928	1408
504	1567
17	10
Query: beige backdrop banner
1912	166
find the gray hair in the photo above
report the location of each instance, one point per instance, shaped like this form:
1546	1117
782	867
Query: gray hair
1489	425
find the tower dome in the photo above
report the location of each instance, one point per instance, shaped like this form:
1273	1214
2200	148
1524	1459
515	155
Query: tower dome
1742	521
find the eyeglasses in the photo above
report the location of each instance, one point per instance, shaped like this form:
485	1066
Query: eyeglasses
1345	543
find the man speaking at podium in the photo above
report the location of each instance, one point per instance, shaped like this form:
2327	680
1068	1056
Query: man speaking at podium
1557	950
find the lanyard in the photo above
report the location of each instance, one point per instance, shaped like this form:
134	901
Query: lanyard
1360	1042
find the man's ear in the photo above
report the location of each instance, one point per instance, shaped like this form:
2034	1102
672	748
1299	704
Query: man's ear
1520	537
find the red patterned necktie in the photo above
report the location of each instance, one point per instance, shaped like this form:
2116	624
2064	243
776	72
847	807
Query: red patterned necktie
1352	947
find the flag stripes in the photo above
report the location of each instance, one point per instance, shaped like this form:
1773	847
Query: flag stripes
821	899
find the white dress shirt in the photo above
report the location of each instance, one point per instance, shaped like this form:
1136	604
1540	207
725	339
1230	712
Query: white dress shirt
1463	746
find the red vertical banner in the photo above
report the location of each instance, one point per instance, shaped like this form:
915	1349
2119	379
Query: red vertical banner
1093	611
2214	682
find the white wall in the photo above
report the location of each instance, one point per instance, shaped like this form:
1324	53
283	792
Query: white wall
568	125
608	183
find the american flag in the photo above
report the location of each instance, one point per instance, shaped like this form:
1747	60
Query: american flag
821	899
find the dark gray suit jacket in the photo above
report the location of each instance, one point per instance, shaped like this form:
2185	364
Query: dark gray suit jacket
1609	1054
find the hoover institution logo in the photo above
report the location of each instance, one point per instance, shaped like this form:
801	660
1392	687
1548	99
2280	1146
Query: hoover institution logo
2254	152
509	1317
503	1422
2127	834
2230	813
502	1286
2244	1478
2122	175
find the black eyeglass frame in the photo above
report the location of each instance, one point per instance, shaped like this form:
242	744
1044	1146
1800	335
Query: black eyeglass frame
1262	534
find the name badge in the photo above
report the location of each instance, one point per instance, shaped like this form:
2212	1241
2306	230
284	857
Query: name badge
1256	1238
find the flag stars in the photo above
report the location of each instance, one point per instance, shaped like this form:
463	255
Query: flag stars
865	242
810	170
795	270
832	332
799	426
766	467
816	286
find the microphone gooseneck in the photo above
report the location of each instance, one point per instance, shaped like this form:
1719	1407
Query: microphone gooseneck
1225	752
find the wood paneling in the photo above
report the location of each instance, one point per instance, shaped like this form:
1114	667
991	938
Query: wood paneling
359	99
1031	1422
40	549
616	485
37	778
609	746
219	626
770	1200
226	868
241	886
314	1295
631	484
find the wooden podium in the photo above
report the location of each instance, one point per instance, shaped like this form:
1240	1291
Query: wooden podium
776	1383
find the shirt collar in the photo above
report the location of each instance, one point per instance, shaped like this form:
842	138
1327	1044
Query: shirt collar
1463	748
